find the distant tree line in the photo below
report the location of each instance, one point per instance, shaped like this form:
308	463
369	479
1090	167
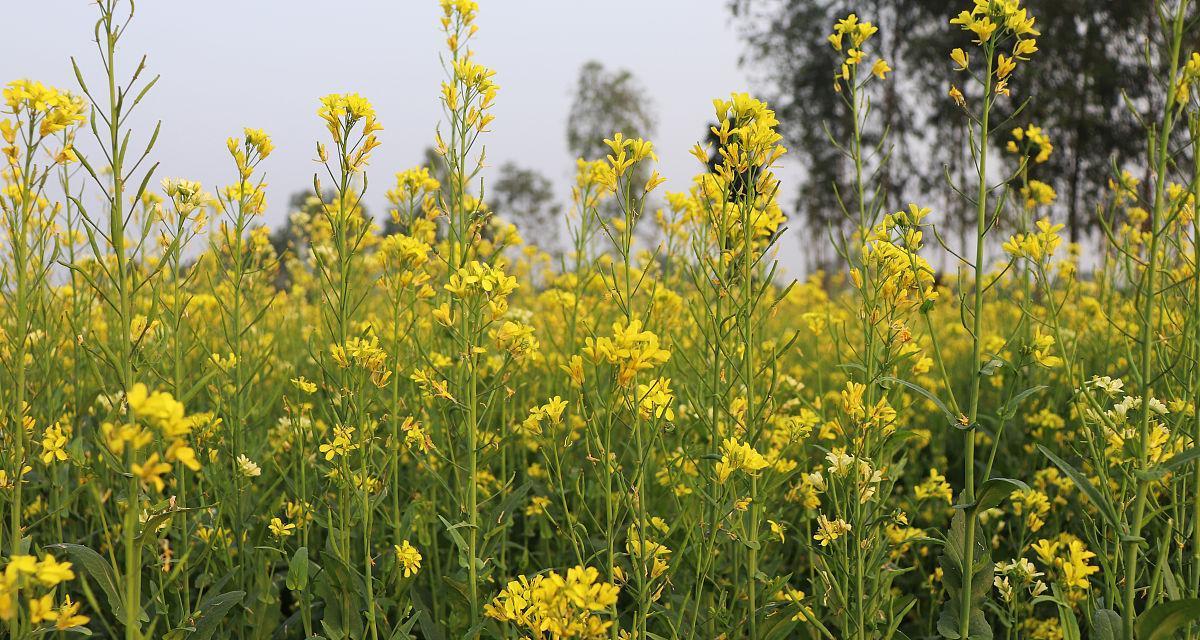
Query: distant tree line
1092	58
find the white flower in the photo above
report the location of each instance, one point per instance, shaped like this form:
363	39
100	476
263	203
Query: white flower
248	467
1111	386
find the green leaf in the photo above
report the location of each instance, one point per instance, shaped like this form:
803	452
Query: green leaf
1010	408
1081	481
1066	615
297	573
464	550
956	562
993	492
1178	460
948	623
928	395
83	631
97	568
1107	624
1161	622
212	611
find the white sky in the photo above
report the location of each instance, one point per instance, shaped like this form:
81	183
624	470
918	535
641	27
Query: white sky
227	64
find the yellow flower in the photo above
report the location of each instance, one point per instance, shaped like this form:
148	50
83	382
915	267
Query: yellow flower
935	487
881	69
159	409
961	59
654	400
537	506
415	437
1024	48
42	609
574	370
280	529
304	384
180	451
68	616
777	530
51	572
829	531
557	606
259	141
150	473
738	456
1042	343
957	96
1004	66
55	110
408	558
19	565
54	442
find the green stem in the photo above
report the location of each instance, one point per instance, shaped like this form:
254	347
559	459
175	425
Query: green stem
981	214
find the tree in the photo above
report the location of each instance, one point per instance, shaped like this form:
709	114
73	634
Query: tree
526	198
606	102
1090	52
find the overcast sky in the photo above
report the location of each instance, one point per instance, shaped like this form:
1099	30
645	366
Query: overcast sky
227	64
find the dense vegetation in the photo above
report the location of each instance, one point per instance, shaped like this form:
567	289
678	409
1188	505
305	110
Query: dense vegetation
424	427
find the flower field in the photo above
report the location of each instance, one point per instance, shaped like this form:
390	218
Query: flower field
424	426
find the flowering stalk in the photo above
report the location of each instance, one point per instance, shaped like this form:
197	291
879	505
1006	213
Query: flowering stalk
1194	131
352	361
626	159
467	98
111	241
239	262
189	220
994	23
1159	149
38	113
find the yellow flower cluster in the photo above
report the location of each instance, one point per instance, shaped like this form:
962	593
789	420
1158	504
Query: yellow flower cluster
516	339
365	354
1069	558
934	487
1007	17
342	112
341	444
24	573
54	443
1032	141
625	153
1189	77
165	415
738	456
414	188
186	194
1032	506
408	558
857	32
1036	246
470	93
550	606
1038	193
552	411
994	22
52	109
828	531
630	349
482	279
655	399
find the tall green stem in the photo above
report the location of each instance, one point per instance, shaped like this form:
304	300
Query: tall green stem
1160	141
981	214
